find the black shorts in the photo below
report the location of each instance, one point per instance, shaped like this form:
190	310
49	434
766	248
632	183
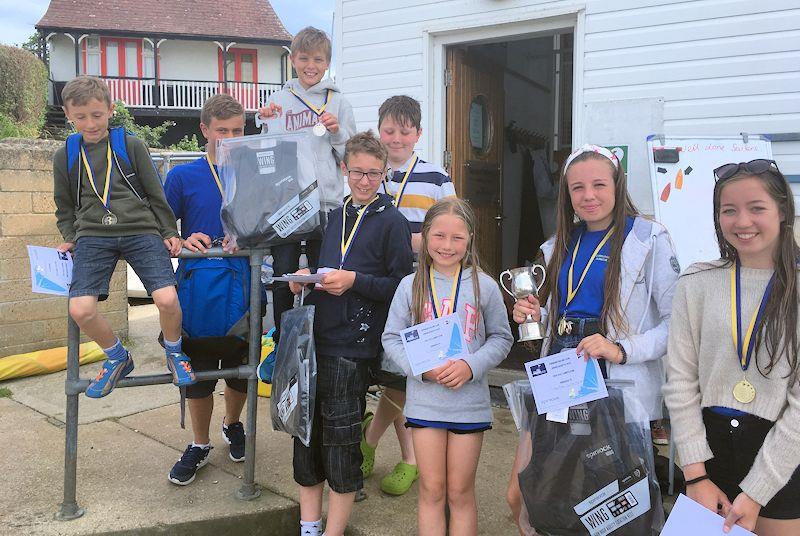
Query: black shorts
389	380
452	430
735	449
334	453
215	353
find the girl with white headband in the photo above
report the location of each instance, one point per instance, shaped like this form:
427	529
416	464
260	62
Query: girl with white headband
611	274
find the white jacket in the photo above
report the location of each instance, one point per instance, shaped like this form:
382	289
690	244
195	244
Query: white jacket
329	148
648	275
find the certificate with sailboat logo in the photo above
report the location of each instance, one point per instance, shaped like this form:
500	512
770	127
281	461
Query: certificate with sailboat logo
433	343
565	379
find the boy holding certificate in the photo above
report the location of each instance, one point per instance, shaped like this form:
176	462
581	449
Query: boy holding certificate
364	255
110	203
309	103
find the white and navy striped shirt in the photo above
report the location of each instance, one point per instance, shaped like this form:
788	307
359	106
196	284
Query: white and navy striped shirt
427	184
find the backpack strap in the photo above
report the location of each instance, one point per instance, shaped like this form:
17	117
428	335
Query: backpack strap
119	149
73	149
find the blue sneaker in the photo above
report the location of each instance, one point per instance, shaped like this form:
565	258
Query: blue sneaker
109	375
234	436
266	368
184	471
181	368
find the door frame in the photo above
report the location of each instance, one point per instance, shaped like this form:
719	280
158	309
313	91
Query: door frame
499	27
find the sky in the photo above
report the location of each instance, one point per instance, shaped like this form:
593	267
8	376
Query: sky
17	17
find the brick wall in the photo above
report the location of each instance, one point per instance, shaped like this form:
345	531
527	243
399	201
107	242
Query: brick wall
31	321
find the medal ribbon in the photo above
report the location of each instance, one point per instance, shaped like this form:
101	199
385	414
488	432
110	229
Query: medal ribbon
744	345
319	111
453	293
402	188
571	292
347	244
216	177
105	197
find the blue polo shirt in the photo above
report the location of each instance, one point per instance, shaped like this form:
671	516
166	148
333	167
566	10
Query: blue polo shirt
588	302
195	199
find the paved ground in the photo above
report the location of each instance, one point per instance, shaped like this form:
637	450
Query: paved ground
133	436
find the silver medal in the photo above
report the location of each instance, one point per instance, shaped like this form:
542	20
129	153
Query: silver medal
109	219
319	129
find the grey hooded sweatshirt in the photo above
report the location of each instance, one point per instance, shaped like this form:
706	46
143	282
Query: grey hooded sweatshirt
329	148
488	338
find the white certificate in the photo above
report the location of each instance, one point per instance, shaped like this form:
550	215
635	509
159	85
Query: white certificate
433	343
51	270
562	380
688	517
305	279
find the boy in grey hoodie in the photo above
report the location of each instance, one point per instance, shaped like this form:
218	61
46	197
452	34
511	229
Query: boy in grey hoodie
309	102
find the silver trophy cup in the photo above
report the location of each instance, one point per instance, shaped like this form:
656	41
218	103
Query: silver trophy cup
523	284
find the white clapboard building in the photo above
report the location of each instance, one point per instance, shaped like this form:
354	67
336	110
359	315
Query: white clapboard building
508	86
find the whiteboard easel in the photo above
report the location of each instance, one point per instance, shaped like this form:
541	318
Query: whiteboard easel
683	191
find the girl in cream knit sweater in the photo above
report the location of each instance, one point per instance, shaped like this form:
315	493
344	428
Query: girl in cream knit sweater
732	387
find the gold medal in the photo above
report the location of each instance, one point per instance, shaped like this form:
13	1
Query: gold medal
744	340
744	392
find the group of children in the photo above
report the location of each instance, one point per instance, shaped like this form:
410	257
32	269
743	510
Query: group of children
612	291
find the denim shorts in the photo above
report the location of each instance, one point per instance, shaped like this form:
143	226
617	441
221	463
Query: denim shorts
334	453
582	328
95	258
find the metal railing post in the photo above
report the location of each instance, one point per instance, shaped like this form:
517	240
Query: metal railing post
69	508
250	490
74	386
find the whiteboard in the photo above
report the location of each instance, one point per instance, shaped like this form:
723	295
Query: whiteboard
683	192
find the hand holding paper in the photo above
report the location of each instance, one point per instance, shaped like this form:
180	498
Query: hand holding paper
689	518
431	344
565	379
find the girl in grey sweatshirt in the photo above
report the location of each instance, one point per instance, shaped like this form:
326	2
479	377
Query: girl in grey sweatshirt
448	408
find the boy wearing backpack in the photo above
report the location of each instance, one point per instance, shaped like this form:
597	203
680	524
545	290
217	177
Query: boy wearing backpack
110	203
214	293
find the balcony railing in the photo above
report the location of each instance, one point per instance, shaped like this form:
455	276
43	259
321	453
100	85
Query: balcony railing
181	94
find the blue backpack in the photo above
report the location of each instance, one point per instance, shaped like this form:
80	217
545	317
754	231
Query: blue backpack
214	295
122	162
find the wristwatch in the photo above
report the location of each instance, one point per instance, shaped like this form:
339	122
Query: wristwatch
624	353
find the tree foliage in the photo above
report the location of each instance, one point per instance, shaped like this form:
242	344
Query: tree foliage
23	93
150	135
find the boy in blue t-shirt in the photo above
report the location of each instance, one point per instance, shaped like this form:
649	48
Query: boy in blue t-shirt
194	191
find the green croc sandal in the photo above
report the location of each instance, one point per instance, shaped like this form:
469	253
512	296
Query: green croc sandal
400	479
367	452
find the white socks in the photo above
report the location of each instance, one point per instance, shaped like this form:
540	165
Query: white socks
310	528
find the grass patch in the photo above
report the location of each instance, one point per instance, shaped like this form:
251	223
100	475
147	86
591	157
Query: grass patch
5	392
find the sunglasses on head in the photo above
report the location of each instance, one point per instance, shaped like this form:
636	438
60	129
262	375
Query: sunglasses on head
756	167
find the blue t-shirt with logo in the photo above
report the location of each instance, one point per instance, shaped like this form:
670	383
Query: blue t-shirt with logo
588	302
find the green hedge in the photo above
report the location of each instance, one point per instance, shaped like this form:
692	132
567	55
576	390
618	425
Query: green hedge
23	93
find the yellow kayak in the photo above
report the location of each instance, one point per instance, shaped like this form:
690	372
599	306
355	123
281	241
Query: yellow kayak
45	361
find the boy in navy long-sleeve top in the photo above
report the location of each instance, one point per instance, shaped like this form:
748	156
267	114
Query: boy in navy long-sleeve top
365	253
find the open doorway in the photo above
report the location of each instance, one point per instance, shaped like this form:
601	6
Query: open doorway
509	129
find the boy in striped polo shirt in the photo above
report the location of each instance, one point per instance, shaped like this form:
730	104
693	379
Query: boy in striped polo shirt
415	186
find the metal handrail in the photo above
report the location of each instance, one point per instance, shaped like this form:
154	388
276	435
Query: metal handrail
74	385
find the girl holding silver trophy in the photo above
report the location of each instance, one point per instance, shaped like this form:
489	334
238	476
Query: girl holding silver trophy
610	277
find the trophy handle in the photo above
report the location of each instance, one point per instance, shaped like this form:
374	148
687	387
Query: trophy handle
544	276
506	273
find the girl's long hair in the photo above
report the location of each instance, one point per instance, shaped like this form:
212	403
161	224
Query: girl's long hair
778	328
566	222
419	294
